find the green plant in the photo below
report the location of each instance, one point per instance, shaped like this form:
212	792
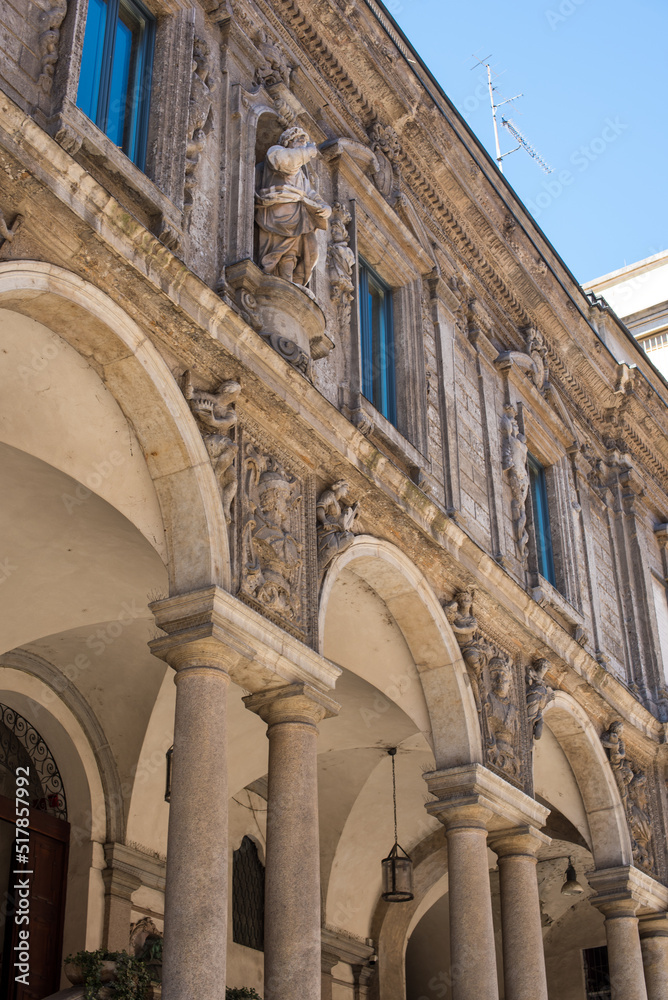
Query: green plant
241	993
131	977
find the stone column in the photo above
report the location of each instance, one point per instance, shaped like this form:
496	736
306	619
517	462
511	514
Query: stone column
195	948
523	955
292	966
654	948
472	950
627	977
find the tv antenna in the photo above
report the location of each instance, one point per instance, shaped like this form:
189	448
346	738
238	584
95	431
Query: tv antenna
508	123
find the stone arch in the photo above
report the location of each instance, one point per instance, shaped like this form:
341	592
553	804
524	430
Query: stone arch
577	737
144	388
409	598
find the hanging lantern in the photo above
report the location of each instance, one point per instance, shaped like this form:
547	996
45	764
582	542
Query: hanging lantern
571	886
168	781
397	866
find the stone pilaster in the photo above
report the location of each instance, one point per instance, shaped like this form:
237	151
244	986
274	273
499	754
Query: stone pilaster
292	952
523	956
118	888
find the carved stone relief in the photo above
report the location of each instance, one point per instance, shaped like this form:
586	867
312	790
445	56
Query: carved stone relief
336	520
385	144
514	463
276	535
200	118
9	232
340	264
632	783
50	20
538	694
492	679
215	413
537	351
274	68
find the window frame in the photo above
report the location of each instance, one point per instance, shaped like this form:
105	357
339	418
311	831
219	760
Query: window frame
377	343
136	123
544	547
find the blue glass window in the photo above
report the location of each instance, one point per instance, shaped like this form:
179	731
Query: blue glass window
377	342
115	77
541	521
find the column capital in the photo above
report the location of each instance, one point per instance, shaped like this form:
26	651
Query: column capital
520	840
653	925
472	785
120	883
626	888
211	628
292	703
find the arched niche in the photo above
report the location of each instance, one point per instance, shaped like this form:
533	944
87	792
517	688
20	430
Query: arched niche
442	690
143	387
572	728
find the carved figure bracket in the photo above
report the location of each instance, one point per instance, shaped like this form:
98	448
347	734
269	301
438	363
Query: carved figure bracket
200	116
215	413
340	263
514	454
632	783
538	695
336	521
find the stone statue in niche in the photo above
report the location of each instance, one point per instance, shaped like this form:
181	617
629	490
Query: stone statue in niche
539	696
216	418
288	209
341	261
335	521
502	717
273	554
632	784
514	463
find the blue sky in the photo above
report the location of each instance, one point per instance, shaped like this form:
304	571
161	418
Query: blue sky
594	78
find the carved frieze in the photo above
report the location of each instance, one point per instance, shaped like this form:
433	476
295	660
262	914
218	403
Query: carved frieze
492	679
632	783
276	534
514	463
216	416
340	263
50	20
336	520
538	694
200	116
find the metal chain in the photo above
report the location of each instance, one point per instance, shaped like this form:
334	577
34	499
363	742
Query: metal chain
394	799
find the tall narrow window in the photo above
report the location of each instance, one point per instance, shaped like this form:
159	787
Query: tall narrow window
541	513
377	342
597	975
248	896
115	78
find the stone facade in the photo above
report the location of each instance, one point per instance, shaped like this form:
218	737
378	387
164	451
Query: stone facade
200	490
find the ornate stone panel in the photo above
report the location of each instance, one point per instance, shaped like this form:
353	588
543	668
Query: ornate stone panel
632	782
275	529
496	692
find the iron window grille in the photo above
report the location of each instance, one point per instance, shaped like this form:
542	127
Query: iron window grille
248	896
115	77
597	973
377	342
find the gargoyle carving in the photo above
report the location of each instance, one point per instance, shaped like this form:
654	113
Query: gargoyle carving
216	418
335	521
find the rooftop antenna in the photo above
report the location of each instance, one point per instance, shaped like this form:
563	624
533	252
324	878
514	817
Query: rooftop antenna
522	142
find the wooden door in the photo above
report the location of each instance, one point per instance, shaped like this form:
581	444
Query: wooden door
49	840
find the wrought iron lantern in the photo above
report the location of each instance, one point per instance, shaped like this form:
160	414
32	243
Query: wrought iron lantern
397	866
168	780
571	886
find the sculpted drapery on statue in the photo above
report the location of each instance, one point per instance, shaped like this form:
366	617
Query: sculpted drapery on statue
289	210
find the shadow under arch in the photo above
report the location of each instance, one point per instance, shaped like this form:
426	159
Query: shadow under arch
575	733
144	388
405	591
